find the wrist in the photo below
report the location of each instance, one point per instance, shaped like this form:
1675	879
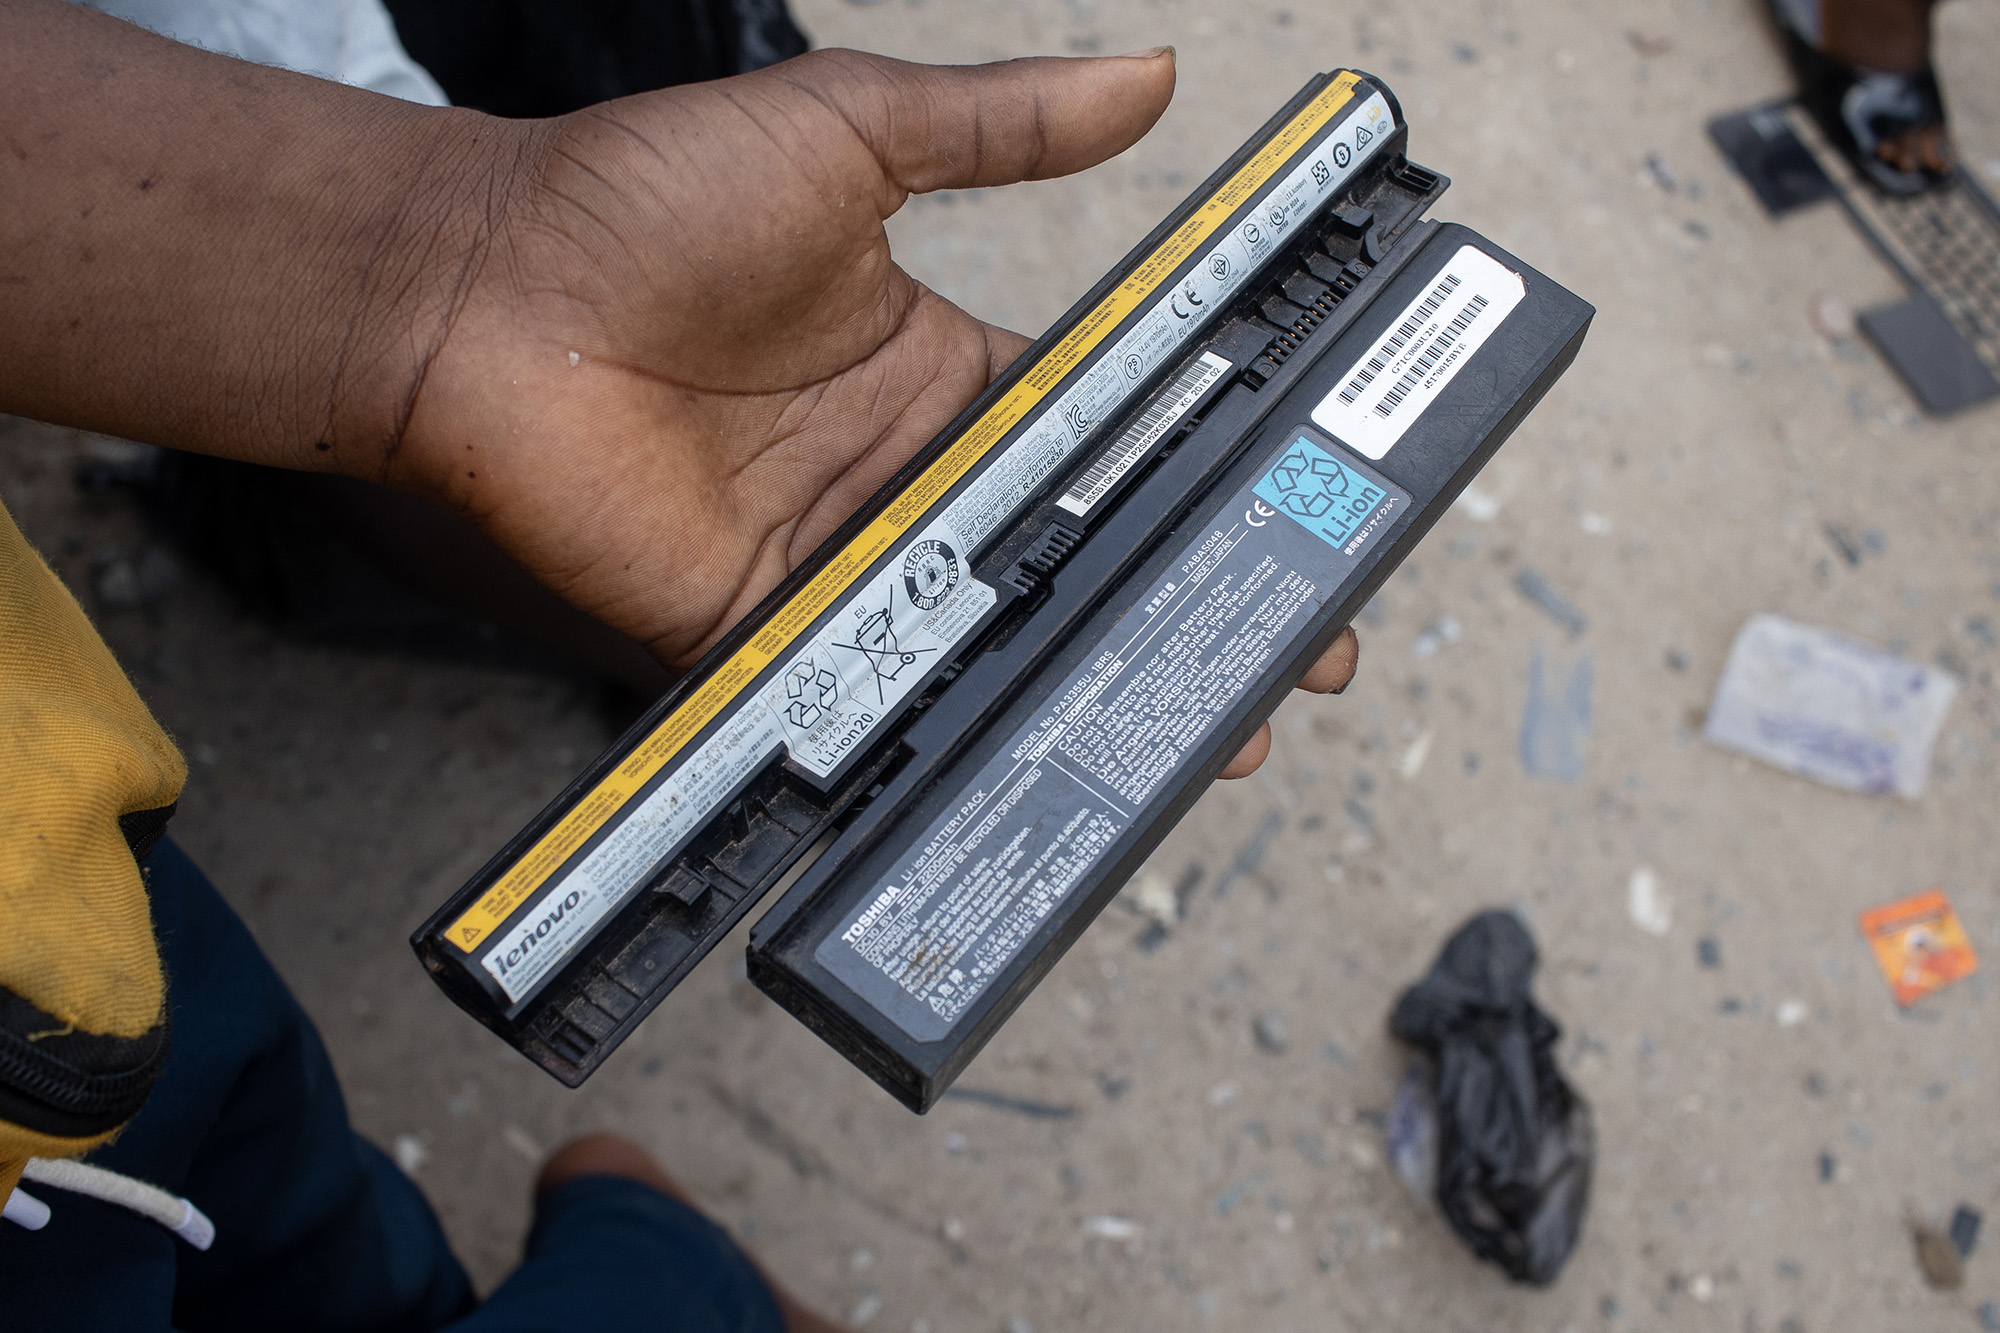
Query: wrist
394	262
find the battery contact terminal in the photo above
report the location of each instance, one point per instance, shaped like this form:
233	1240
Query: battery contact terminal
1351	245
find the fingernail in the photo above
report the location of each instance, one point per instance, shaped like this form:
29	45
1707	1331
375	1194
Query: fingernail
1342	687
1150	53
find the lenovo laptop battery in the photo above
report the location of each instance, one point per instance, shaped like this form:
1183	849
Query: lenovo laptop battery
952	734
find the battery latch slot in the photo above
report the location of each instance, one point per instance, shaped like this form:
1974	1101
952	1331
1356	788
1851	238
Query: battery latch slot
1039	561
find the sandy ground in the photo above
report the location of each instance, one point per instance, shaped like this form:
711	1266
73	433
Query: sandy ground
1753	1176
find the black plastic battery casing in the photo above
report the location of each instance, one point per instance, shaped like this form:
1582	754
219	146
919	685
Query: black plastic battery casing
997	694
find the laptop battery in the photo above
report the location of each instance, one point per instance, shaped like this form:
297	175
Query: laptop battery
949	737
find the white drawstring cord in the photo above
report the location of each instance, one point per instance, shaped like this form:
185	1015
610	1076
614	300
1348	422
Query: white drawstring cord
25	1210
169	1210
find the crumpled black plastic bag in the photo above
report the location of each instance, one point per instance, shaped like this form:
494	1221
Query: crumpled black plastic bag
1515	1143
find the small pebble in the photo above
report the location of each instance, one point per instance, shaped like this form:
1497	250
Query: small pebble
1832	318
1271	1031
1112	1228
1938	1259
1965	1220
523	1143
411	1153
1650	909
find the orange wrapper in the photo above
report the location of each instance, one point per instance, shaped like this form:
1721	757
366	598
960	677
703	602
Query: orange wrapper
1919	944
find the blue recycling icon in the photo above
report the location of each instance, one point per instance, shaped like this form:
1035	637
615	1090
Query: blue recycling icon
1324	495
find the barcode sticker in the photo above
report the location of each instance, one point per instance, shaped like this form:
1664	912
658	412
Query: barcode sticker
1431	340
1168	406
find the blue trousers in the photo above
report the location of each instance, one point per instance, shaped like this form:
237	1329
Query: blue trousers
317	1231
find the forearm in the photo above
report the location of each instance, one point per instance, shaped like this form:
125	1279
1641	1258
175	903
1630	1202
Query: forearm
214	255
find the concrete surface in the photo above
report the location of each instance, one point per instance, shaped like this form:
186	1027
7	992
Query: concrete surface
1753	1175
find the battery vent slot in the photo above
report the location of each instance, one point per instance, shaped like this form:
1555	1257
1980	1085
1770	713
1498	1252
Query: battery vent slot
1416	179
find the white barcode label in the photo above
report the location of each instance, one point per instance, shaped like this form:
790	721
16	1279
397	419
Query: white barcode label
1168	406
1389	388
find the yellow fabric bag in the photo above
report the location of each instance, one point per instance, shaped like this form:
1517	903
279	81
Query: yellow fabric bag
86	775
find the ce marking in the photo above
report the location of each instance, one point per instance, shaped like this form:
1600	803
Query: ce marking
1258	514
1194	303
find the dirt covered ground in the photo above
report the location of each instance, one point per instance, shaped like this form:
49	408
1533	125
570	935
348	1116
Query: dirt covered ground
1755	1174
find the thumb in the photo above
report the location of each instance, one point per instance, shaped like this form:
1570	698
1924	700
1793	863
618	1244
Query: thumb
950	127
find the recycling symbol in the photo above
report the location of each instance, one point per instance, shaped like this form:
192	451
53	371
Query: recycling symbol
811	690
1307	485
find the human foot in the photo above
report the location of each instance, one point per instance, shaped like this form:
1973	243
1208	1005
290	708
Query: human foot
1864	75
615	1155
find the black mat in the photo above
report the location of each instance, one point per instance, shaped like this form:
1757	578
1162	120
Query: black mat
1779	169
1940	367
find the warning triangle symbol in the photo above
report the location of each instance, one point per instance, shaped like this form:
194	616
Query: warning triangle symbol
471	934
1361	137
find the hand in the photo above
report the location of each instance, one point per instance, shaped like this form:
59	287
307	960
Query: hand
688	355
657	350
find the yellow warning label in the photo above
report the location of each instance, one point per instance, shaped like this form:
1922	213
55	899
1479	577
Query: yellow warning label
792	619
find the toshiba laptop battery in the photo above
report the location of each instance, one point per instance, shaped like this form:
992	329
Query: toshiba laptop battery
954	732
